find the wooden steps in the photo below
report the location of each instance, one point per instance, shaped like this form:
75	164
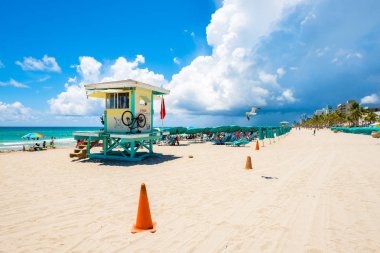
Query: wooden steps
80	151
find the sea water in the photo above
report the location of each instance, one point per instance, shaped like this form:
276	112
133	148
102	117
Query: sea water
10	137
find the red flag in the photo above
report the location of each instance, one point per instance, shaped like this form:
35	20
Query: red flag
163	112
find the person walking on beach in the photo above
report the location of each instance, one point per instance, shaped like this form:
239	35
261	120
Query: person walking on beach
314	132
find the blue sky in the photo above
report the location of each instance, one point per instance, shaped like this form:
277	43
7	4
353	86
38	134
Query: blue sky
218	57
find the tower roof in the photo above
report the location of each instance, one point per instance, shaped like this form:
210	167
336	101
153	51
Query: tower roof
119	86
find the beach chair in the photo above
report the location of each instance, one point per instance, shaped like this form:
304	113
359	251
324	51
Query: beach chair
231	141
239	143
222	141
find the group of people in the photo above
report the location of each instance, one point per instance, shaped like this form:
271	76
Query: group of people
171	140
43	146
248	135
174	139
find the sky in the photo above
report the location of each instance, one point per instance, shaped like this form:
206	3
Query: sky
218	58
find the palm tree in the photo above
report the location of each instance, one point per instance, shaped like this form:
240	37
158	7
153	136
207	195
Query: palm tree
340	117
356	113
370	117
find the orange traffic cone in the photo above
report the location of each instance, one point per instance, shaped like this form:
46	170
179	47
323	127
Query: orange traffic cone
248	163
257	145
144	220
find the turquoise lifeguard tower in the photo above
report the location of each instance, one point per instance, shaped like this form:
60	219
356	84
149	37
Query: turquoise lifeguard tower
128	120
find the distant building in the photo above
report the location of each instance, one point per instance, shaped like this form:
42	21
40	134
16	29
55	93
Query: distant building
375	109
324	111
345	108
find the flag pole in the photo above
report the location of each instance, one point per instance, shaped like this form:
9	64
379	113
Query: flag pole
162	120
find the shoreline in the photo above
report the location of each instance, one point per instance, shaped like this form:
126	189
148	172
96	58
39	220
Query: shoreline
20	151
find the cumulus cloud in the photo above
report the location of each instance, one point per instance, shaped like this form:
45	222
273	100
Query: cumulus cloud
14	111
226	80
13	83
73	100
321	59
287	96
123	69
47	63
273	53
89	69
267	78
229	79
370	99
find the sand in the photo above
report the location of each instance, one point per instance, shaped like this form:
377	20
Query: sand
324	197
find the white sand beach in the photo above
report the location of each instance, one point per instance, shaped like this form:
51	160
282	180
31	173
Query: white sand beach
324	197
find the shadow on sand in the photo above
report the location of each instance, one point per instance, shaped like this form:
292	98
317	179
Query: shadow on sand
152	160
180	145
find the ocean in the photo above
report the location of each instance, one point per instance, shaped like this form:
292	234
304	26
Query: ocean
10	137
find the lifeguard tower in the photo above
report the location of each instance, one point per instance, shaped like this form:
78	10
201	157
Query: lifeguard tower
128	120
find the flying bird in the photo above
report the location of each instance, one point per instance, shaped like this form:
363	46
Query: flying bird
252	112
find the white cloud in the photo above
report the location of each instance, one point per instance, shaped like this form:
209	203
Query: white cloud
123	69
89	69
308	18
322	51
73	100
13	83
343	56
72	79
227	79
14	111
287	96
267	78
371	99
176	61
281	72
44	78
2	65
47	63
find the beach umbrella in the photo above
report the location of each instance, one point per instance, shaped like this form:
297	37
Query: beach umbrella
177	130
33	136
234	129
219	129
261	134
206	130
194	130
